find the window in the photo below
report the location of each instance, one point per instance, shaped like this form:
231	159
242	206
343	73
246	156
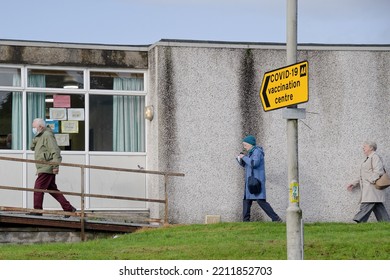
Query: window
117	81
68	79
10	77
116	123
10	124
58	110
122	127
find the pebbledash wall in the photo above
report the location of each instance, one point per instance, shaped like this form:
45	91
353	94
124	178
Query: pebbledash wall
205	97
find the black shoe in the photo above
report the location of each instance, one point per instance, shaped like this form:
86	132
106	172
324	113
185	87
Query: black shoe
34	214
73	210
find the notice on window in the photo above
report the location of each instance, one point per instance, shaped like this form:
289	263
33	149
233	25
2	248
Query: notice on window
53	124
76	114
61	101
70	127
57	113
62	139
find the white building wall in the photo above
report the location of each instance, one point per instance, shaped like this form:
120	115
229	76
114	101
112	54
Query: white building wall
206	98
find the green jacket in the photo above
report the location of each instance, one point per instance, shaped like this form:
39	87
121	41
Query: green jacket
45	147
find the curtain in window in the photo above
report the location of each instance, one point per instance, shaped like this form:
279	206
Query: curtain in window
17	115
128	117
35	103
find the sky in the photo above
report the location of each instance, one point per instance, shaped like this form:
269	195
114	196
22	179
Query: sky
145	22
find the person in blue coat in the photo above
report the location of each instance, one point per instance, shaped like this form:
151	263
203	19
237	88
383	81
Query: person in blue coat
254	154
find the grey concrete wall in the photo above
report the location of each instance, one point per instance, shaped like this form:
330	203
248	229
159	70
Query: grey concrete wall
206	98
44	235
45	53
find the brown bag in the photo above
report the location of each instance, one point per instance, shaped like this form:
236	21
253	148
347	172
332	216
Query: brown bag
383	182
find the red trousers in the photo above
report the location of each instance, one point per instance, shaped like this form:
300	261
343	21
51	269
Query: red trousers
47	181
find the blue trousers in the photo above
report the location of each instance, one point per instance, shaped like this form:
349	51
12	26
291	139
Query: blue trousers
247	204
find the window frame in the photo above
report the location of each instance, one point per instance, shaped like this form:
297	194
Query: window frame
13	88
117	92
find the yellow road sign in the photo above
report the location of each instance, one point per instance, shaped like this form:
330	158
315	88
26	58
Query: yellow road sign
285	86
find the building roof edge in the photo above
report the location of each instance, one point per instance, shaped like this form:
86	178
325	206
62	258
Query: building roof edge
198	43
268	45
73	45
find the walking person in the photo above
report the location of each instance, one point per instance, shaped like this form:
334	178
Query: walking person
255	157
46	149
371	199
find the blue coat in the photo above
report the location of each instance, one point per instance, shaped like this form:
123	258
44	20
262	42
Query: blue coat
257	155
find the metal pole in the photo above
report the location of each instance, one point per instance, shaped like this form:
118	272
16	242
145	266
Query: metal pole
294	213
166	199
82	216
292	31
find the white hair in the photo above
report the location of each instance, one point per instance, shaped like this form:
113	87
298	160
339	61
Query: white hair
371	144
39	122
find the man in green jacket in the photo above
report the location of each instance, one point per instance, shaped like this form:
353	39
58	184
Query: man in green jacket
45	148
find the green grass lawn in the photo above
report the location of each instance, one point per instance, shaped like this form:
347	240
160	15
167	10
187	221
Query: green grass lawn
224	241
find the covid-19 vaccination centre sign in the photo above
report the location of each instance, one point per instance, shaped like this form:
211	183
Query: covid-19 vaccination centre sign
285	86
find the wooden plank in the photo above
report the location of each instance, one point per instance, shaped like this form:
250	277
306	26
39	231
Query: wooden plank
69	223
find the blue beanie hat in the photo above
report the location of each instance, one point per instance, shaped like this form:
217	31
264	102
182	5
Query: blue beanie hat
250	140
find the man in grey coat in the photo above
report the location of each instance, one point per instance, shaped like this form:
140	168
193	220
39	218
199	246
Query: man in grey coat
371	199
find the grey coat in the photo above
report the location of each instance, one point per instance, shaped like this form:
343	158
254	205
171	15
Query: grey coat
370	171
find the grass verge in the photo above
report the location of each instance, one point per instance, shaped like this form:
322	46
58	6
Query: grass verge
224	241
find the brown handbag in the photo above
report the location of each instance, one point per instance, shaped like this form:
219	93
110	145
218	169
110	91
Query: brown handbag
384	181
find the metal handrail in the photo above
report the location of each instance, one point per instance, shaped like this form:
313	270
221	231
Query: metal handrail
83	195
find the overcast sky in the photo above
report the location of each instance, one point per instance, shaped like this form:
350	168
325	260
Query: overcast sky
144	22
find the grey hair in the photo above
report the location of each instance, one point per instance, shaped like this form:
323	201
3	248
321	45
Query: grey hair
40	122
371	144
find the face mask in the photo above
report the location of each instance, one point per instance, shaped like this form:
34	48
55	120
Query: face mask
35	131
